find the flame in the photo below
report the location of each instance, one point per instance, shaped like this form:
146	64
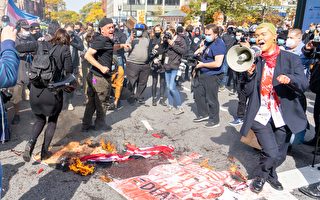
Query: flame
78	167
109	147
205	164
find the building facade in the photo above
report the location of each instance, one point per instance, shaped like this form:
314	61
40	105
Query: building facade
120	10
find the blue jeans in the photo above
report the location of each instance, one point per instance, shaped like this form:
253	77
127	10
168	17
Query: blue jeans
0	179
173	93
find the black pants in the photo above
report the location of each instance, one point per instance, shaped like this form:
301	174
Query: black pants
316	113
38	126
242	100
155	78
137	75
98	98
206	96
274	142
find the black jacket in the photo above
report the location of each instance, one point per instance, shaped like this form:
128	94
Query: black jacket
174	54
42	100
76	46
293	114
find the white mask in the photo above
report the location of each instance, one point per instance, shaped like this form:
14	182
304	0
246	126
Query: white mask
26	34
238	38
318	29
290	43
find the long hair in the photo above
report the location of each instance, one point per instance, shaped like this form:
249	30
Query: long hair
61	37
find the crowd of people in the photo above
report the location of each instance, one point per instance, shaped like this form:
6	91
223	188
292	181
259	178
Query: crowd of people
113	63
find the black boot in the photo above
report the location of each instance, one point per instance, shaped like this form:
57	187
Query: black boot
28	150
154	102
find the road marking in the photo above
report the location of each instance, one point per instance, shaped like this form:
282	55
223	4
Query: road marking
186	89
147	125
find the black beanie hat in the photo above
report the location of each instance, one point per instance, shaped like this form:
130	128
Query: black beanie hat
104	21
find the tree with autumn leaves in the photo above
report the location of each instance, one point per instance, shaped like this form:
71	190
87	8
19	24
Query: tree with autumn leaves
238	11
55	10
92	12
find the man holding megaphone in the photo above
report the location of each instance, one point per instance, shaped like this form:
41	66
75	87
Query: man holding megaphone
274	111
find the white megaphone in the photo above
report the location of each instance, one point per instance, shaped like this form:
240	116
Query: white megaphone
241	58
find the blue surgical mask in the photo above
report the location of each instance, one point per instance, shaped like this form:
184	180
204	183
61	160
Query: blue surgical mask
209	38
253	40
113	67
281	42
4	24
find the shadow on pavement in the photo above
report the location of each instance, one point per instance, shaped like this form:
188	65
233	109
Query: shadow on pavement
9	171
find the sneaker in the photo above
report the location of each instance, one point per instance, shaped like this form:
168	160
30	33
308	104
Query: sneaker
211	124
15	120
70	107
162	102
141	101
222	88
236	122
168	109
179	111
200	119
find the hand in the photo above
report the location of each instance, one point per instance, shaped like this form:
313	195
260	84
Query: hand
283	79
245	44
251	70
199	65
309	45
157	46
170	42
125	46
105	70
8	33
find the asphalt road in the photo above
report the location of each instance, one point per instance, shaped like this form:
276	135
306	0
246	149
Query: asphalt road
131	124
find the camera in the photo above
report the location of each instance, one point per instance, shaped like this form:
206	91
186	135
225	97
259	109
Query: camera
167	36
181	68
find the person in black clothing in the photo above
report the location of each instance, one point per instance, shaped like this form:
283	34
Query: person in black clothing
23	37
313	52
76	45
45	103
100	55
35	30
157	67
309	34
120	38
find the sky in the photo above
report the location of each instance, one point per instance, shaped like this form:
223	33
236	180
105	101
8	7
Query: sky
76	5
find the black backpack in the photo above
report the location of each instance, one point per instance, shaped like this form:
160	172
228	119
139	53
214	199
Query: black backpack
43	68
314	83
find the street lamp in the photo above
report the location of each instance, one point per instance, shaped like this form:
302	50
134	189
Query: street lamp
203	10
119	11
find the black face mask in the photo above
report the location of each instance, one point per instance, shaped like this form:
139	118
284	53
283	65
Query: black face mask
157	35
77	30
70	33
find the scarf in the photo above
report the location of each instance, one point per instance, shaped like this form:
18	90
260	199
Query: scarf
271	59
267	77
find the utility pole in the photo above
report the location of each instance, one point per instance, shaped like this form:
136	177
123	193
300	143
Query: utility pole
203	10
146	11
